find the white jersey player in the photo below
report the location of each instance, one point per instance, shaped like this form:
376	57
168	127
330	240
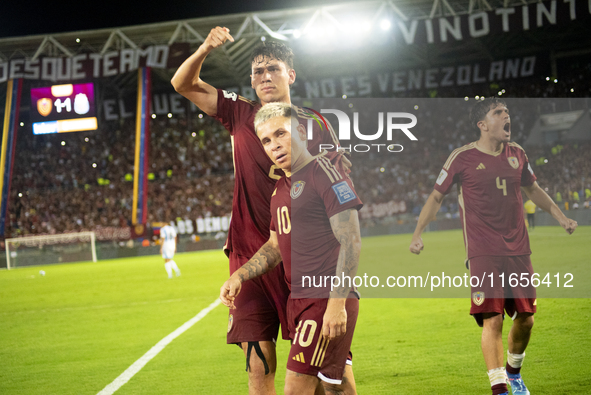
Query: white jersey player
168	248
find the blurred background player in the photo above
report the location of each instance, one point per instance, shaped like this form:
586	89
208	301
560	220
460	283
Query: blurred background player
168	249
490	174
254	323
321	238
530	209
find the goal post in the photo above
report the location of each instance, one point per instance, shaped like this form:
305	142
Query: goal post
58	244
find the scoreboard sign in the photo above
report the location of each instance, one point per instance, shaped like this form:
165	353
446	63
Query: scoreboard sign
63	108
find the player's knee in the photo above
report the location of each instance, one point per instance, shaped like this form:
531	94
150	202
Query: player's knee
525	321
291	389
492	321
260	361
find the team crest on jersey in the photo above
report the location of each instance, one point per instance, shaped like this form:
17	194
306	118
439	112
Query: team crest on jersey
478	298
513	162
230	322
297	189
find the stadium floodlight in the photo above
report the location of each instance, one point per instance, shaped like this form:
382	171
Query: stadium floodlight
296	33
48	249
385	24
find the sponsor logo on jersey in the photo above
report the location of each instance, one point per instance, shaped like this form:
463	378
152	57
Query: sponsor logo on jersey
297	189
513	162
442	177
344	192
478	298
230	322
299	357
480	167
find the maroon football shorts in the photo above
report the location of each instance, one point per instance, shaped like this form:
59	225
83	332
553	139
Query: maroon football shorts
311	353
505	286
260	306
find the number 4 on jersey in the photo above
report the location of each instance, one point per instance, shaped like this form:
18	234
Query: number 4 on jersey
502	185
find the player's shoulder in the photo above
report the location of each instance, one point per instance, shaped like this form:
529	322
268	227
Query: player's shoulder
515	146
458	153
326	169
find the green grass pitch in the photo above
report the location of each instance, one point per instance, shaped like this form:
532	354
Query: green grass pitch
76	329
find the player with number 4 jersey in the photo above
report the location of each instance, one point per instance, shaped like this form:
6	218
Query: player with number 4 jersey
490	174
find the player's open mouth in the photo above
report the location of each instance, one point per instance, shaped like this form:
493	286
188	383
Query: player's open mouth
280	157
507	127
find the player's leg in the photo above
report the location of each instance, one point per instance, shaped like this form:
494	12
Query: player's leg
521	309
492	342
168	267
518	339
261	364
492	350
300	384
254	325
347	385
487	307
174	267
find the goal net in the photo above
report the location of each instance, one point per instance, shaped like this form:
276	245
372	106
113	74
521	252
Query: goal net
48	249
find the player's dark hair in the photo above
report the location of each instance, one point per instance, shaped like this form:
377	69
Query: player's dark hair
480	109
273	49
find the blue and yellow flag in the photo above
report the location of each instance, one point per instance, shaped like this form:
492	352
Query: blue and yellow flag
13	99
142	143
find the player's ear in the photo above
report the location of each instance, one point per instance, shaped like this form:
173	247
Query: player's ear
482	126
292	76
302	132
252	82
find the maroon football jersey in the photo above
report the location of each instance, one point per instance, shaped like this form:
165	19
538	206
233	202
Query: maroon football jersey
301	207
491	207
254	172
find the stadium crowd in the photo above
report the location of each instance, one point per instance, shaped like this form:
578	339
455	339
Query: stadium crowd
79	181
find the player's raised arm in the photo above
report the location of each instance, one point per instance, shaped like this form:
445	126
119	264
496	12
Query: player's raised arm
543	201
427	215
265	259
345	226
186	80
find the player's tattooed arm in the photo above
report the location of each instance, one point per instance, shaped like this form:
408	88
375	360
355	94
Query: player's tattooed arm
266	258
345	227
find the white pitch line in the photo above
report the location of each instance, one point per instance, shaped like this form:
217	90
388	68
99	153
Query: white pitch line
140	363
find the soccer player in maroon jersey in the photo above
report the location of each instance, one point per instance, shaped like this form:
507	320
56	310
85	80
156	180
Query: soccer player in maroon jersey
324	241
490	174
261	306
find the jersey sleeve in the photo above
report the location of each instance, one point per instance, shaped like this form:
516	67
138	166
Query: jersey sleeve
335	188
449	175
233	110
527	174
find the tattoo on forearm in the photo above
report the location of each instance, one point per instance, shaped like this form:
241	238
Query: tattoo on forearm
345	226
264	260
